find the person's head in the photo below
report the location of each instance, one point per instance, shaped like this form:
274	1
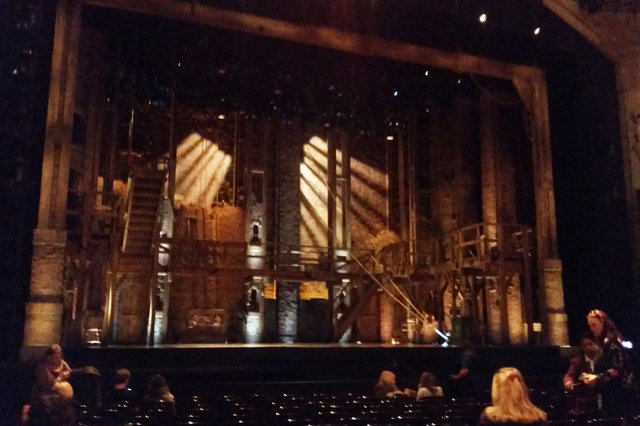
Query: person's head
387	378
157	385
510	399
122	377
53	355
602	326
427	380
589	345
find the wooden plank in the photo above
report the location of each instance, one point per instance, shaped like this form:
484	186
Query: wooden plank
55	174
319	36
68	106
616	35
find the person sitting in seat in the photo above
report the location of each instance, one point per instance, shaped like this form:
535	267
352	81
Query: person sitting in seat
428	386
510	401
122	394
387	388
53	407
158	392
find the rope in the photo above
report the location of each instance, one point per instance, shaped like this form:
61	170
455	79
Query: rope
408	305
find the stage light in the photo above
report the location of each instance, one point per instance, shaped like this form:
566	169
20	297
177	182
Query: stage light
426	73
221	117
395	93
537	31
482	18
627	344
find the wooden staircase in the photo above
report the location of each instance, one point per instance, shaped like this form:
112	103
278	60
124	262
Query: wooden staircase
145	190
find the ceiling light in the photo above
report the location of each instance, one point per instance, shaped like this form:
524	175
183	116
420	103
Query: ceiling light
482	18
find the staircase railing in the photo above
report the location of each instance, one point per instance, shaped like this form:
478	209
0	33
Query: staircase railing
125	233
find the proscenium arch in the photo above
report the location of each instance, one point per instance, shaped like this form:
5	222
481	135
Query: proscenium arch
529	81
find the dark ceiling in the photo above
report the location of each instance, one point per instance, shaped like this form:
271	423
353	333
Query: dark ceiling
220	70
508	33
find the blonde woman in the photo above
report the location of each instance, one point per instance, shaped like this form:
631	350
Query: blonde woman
510	399
387	387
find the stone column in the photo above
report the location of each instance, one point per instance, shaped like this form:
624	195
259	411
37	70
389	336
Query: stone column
533	91
553	295
43	321
44	310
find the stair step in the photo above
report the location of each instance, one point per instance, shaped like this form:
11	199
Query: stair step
140	234
138	251
138	242
145	203
142	219
136	230
147	183
139	214
133	259
143	195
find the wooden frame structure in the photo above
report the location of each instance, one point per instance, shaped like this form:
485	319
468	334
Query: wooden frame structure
529	81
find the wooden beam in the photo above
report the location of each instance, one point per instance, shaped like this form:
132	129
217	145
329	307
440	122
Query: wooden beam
319	36
616	35
57	145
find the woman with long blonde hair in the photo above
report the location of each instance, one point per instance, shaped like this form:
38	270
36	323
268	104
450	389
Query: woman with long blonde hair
510	399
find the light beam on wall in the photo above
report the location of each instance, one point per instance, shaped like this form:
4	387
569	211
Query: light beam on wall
201	168
368	201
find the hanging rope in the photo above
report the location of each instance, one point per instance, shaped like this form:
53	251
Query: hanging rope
406	303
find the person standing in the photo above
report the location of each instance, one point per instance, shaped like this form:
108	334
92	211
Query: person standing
465	383
612	375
